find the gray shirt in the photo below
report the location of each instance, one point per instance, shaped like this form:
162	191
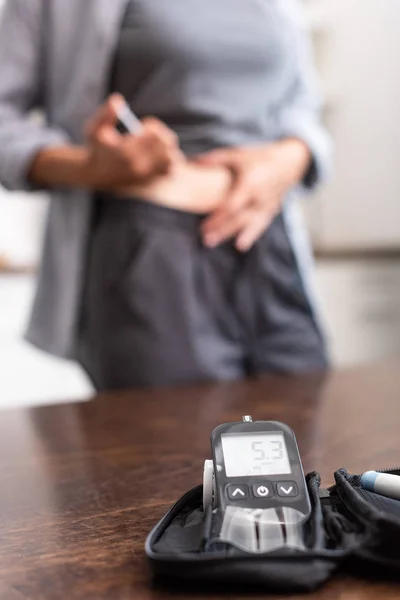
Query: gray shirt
224	72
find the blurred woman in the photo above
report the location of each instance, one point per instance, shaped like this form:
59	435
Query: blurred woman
175	254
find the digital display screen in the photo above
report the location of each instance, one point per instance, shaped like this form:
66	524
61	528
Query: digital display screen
252	454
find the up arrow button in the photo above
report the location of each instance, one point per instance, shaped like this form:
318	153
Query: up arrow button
237	491
287	489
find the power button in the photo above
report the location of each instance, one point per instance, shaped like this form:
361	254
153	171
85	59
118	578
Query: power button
263	490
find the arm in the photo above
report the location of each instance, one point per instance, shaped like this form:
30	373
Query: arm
109	160
33	155
60	166
21	138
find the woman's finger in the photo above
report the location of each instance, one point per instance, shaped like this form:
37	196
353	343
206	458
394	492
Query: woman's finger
252	231
106	115
158	131
226	230
107	137
238	198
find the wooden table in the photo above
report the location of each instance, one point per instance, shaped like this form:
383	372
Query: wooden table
82	484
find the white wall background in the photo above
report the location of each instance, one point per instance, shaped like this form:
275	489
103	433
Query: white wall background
358	45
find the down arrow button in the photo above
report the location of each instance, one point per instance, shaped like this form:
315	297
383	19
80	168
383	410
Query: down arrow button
287	489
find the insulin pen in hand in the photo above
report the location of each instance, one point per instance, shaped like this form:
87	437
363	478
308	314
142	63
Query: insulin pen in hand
127	121
382	483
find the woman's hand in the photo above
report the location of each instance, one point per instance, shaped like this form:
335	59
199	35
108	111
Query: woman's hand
109	160
262	176
116	160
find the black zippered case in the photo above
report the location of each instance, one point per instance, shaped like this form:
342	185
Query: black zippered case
349	528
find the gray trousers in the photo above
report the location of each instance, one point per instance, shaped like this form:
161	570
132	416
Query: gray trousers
160	308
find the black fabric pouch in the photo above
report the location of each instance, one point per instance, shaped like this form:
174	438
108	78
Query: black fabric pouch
370	517
176	548
349	528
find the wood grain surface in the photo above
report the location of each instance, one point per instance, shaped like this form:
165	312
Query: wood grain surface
81	485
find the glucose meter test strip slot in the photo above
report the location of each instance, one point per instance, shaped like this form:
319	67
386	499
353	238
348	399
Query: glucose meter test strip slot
384	484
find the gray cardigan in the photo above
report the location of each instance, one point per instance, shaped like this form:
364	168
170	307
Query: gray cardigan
56	55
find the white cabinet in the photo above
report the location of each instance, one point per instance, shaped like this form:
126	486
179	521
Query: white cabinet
362	308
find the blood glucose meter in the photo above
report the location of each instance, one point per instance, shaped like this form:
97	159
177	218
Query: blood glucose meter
256	465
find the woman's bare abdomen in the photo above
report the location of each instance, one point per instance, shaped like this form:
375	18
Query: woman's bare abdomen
189	187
